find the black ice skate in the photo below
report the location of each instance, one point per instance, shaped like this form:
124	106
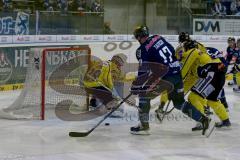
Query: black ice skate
223	124
198	127
159	113
92	104
140	130
231	83
237	89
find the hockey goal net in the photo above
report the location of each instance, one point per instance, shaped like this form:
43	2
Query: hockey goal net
54	77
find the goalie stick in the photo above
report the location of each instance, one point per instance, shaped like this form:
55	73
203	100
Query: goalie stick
84	134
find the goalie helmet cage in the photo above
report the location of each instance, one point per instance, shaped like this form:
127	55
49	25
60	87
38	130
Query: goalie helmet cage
54	76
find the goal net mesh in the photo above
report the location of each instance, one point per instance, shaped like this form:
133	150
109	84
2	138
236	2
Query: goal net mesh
54	78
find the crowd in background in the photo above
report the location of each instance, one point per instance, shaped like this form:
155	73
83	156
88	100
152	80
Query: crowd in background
218	7
225	7
74	5
54	5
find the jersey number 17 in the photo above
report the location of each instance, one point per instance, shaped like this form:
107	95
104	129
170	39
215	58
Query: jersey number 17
164	52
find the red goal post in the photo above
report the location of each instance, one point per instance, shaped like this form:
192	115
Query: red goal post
84	49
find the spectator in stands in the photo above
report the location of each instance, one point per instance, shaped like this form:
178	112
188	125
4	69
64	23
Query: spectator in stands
107	28
48	5
227	4
7	4
82	5
96	6
218	9
235	7
63	5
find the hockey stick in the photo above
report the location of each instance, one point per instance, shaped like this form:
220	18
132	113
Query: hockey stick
167	112
84	134
164	113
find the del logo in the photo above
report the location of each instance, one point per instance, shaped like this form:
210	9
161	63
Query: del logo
207	26
5	68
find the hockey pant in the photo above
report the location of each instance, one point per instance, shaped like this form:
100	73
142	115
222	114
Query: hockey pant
200	103
238	78
222	98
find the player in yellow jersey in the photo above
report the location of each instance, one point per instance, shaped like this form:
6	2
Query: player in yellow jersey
194	55
209	79
190	60
100	77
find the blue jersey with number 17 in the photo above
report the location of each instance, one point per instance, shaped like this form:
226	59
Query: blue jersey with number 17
156	49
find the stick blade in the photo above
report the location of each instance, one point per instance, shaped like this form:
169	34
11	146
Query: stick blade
78	134
210	129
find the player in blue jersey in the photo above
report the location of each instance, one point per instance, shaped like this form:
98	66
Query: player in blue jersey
159	70
231	49
236	58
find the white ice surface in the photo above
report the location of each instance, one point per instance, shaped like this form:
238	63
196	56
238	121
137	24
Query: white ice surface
171	140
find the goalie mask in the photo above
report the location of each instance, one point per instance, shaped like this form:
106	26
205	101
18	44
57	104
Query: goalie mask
119	59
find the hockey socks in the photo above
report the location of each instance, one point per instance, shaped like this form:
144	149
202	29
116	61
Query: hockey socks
191	111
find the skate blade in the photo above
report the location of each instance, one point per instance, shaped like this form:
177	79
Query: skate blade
225	128
196	130
140	133
210	129
236	91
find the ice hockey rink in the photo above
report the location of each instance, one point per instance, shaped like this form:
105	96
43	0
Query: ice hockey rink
173	139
